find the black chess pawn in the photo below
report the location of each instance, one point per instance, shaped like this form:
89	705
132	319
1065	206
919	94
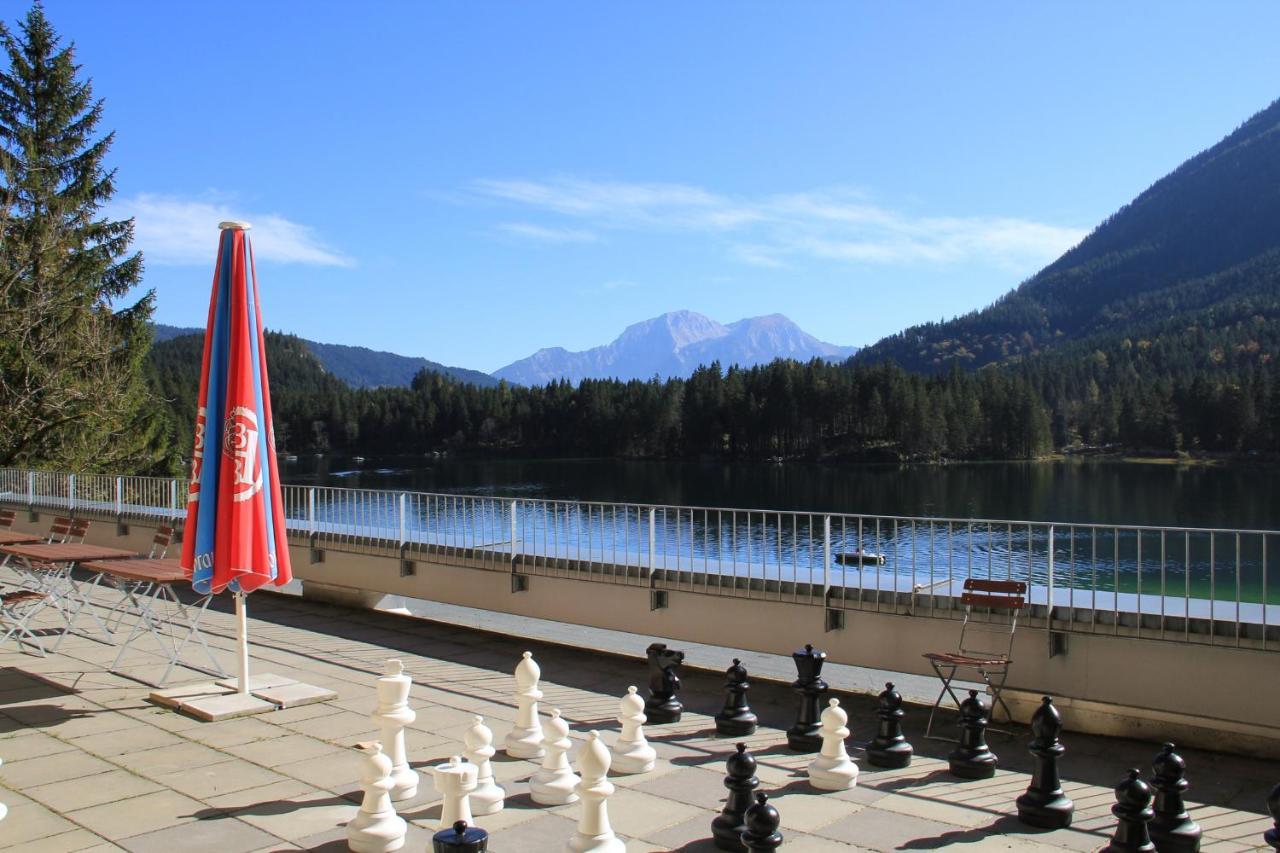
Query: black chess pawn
761	835
1133	813
728	826
460	838
889	748
803	736
662	706
972	758
735	718
1272	835
1044	804
1172	829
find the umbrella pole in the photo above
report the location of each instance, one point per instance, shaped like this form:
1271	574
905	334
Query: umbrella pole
242	635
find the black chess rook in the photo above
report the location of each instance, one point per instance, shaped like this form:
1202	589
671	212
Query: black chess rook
1172	829
889	748
662	706
972	758
1133	815
761	835
735	718
1044	804
804	735
728	826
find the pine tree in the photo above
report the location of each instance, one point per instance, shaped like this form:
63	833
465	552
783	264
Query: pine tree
73	393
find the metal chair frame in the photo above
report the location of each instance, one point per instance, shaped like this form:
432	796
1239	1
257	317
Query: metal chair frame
992	667
17	609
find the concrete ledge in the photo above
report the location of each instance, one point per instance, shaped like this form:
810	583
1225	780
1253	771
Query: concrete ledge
345	596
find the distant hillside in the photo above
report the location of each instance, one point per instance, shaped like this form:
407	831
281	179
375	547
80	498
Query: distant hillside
360	367
674	345
1154	258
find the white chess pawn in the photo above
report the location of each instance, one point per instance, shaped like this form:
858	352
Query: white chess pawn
392	715
594	834
555	781
525	739
455	781
488	797
376	828
833	769
632	753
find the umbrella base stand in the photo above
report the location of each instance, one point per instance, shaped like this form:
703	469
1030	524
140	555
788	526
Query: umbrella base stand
212	701
224	706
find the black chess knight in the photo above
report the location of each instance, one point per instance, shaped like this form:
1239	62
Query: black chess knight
662	706
735	718
889	748
803	736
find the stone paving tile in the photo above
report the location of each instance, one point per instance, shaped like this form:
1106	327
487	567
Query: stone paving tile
221	834
140	814
135	739
284	749
300	816
884	831
40	771
171	759
212	780
27	823
30	743
79	793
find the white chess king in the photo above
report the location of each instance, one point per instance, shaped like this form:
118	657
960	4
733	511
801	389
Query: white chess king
833	769
632	753
525	738
594	834
392	715
376	828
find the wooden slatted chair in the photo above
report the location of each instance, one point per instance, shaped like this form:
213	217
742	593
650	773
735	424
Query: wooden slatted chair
7	518
986	644
16	612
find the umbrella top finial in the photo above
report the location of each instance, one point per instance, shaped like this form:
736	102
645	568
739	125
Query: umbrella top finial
234	225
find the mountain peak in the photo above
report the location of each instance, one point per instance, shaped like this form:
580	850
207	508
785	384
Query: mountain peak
674	344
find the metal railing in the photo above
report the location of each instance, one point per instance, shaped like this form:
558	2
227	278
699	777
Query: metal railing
1172	583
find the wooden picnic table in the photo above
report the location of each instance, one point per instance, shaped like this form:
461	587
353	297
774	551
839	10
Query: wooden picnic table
145	570
70	552
49	566
13	537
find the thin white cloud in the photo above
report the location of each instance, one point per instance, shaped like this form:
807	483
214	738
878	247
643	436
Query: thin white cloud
174	231
836	224
546	234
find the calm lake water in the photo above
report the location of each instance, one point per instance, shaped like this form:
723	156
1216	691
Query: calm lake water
1105	492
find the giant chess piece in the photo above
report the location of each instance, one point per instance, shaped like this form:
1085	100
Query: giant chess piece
761	835
525	738
1172	829
662	706
1133	813
455	780
735	718
376	828
972	758
488	797
833	769
594	834
555	783
728	826
804	735
1044	804
460	838
632	753
392	715
889	748
1272	835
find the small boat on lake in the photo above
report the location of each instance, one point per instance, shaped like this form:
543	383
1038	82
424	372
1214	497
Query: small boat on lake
859	558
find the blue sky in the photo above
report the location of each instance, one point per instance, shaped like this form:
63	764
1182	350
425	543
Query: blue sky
472	181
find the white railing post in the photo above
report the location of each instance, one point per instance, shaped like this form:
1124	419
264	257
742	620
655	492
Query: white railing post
71	492
31	489
173	496
311	509
1048	608
402	519
119	496
515	505
826	558
653	540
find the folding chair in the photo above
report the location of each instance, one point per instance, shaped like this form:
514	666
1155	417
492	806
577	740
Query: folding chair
16	612
1003	602
7	518
132	591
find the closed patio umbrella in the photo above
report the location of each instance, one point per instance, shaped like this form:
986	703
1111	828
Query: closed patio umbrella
235	537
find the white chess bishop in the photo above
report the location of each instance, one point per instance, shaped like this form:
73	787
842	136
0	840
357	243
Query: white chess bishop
525	738
833	769
488	797
632	753
594	834
455	780
392	715
555	781
376	828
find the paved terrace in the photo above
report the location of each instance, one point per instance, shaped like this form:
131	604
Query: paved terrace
90	765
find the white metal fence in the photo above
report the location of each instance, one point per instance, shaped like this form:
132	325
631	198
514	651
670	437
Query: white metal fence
1190	584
